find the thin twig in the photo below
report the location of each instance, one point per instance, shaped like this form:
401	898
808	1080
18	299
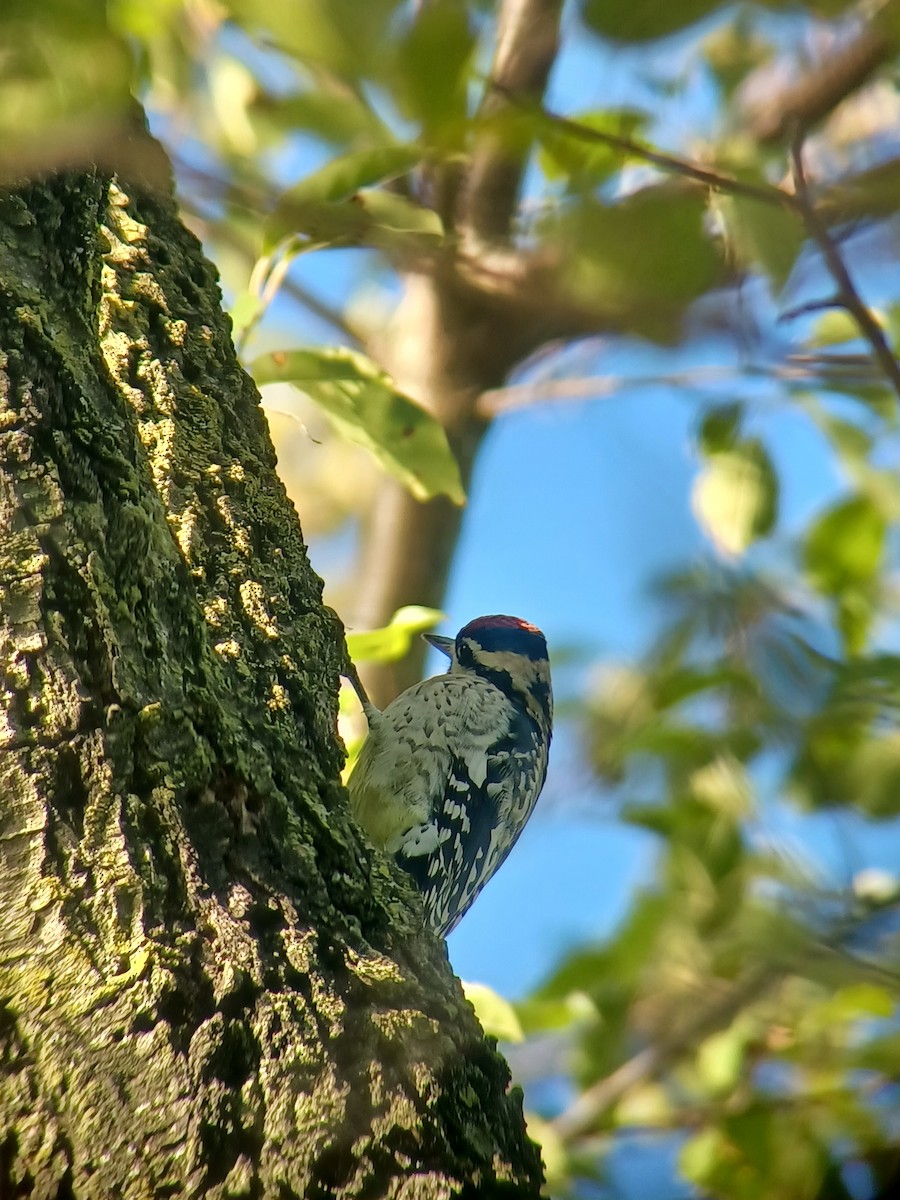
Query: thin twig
649	1062
765	193
847	295
797	367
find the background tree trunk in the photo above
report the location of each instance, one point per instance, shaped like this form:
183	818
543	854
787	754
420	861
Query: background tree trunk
208	985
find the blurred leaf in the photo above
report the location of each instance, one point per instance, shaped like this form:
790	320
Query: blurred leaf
644	1106
565	153
844	546
619	959
361	402
393	642
343	35
547	1016
834	328
701	1155
734	50
735	496
316	205
337	115
769	237
720	428
860	999
553	1152
644	258
391	211
432	67
56	108
720	1059
871	193
497	1016
873	776
643	20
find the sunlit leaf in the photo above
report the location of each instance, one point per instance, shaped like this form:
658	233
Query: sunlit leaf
393	641
496	1014
362	403
700	1156
834	328
861	999
546	1016
644	1106
720	1058
555	1156
735	496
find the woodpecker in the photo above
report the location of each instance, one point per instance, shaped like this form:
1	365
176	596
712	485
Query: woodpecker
451	770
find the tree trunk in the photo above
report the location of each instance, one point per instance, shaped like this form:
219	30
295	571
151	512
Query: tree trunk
208	984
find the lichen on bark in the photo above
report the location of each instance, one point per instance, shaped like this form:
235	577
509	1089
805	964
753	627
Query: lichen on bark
208	984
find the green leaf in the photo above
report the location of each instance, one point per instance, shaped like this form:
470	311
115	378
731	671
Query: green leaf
735	497
497	1016
720	1058
858	1000
701	1155
345	36
363	405
644	258
388	210
834	329
393	641
644	1106
844	547
643	20
720	427
768	237
317	204
565	153
432	62
547	1016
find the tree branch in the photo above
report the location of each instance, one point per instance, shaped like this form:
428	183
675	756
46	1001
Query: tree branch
527	43
670	163
847	295
821	89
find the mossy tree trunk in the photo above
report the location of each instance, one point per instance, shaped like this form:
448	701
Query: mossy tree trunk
208	984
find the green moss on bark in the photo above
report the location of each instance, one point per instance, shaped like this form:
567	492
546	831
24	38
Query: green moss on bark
208	985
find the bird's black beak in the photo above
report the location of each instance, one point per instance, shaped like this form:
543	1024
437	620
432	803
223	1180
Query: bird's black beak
444	644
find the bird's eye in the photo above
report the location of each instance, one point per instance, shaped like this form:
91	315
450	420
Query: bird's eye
464	654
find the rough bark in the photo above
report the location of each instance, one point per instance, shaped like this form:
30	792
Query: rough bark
208	984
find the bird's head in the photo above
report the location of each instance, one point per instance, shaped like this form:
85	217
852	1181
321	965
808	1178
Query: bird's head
510	653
